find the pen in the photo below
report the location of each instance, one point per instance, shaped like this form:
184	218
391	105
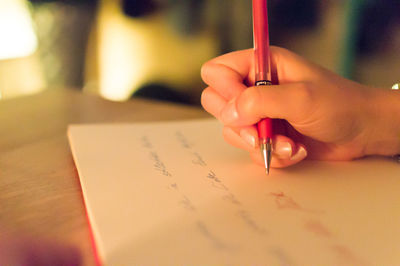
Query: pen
262	73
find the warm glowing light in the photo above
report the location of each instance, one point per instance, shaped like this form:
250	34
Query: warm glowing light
123	55
16	32
396	86
133	52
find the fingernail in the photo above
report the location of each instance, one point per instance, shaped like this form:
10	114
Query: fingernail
249	138
229	114
283	149
300	154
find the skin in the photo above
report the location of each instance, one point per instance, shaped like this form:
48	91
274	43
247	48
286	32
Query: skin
319	115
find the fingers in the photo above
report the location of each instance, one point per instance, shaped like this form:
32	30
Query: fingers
285	151
227	81
233	68
276	162
212	102
245	138
292	102
239	107
226	73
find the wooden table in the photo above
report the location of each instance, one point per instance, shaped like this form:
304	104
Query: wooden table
40	194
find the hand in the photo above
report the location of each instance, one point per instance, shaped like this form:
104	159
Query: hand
321	115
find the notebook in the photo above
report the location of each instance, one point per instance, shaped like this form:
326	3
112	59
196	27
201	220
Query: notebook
174	193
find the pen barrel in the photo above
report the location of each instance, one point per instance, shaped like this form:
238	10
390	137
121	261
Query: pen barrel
264	128
261	40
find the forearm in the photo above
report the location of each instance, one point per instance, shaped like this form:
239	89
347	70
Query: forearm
384	123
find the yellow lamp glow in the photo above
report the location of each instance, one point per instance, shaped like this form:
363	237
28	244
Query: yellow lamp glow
134	52
16	31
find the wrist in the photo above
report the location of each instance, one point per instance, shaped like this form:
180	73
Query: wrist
383	123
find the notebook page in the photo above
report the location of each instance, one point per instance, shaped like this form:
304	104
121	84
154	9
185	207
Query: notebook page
174	193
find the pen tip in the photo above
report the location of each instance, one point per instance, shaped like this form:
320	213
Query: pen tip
267	167
266	150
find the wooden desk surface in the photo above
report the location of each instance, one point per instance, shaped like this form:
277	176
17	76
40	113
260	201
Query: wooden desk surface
40	194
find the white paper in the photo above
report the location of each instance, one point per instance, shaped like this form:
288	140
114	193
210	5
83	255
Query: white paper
174	193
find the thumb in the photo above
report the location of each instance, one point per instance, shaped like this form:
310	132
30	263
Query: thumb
292	102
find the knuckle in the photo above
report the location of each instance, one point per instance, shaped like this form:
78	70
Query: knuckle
205	70
248	101
279	49
304	96
206	98
203	97
304	92
227	134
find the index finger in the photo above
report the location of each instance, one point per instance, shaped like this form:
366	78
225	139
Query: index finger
229	73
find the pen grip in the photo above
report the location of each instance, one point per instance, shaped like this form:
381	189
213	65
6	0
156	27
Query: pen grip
264	128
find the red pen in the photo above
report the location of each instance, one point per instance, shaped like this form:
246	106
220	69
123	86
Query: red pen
263	73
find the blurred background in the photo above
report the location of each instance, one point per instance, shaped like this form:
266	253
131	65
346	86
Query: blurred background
120	49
